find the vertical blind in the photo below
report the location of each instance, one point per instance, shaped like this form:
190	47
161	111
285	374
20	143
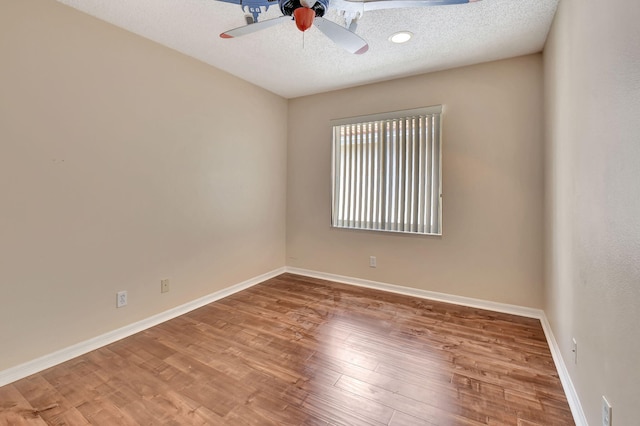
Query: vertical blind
386	172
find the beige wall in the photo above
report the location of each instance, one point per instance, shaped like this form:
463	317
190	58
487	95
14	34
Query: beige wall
121	163
491	247
592	99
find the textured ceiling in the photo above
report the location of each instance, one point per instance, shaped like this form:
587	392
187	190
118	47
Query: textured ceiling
282	60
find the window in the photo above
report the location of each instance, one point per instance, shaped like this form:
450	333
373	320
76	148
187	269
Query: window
386	172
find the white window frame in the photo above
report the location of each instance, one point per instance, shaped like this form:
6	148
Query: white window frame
387	175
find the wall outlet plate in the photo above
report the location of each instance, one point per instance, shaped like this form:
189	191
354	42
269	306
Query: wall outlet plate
164	285
606	412
372	262
121	299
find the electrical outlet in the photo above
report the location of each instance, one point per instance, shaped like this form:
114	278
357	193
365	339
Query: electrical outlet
574	349
606	412
121	299
164	285
372	262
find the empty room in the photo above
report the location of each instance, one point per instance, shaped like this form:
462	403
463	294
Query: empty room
237	212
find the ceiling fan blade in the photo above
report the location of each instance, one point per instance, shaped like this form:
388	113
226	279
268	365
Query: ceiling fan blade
341	36
364	6
252	28
397	4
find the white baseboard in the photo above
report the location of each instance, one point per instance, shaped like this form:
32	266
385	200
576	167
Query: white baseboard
424	294
570	391
565	379
31	367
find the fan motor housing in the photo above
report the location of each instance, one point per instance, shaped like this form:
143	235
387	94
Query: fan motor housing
288	6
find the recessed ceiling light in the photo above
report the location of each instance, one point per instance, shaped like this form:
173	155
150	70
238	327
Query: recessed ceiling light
400	37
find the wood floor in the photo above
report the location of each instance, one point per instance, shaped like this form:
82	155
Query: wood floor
301	351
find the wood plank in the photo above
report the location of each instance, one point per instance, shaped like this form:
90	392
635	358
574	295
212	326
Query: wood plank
302	351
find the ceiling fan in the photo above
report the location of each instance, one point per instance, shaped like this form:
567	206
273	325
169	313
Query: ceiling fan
307	13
